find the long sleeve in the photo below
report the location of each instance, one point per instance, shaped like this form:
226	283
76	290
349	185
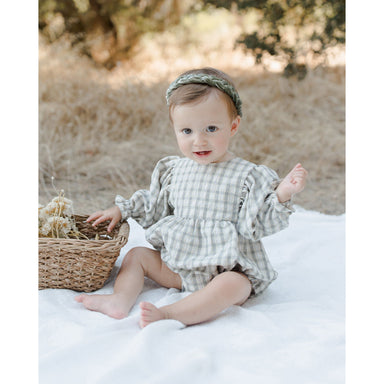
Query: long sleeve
149	206
261	214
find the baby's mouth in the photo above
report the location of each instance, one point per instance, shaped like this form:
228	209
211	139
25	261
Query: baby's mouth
202	153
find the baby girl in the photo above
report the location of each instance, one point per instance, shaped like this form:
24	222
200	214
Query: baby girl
205	213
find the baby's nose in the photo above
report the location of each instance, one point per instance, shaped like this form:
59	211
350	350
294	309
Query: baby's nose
200	139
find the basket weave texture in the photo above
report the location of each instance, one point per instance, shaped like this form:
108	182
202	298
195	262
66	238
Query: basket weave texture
80	265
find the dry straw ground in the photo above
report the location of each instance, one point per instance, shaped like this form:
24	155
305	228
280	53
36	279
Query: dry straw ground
101	133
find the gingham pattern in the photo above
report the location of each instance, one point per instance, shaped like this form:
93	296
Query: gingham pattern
206	219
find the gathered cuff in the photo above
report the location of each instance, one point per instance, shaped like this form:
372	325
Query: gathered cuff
287	206
125	207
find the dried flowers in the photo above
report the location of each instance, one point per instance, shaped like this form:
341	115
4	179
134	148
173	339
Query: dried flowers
56	219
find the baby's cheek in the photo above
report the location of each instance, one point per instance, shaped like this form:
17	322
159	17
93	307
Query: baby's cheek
222	142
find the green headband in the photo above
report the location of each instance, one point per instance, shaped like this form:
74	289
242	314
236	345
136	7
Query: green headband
213	81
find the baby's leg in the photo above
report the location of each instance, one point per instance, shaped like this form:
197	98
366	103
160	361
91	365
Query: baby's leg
139	262
226	289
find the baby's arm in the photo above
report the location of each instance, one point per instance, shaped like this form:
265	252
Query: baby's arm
113	214
293	183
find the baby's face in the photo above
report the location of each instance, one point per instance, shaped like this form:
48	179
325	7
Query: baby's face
204	129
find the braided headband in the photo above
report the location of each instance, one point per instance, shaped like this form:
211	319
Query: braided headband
213	81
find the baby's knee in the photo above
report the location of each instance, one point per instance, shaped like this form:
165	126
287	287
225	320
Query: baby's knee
134	255
145	258
236	284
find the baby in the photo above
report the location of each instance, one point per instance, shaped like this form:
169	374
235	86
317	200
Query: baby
204	213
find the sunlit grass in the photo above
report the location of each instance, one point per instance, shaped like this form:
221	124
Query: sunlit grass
101	132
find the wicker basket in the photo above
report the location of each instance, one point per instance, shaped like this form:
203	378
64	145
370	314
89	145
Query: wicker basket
80	265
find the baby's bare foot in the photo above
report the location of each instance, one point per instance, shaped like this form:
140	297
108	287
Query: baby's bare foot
150	313
111	305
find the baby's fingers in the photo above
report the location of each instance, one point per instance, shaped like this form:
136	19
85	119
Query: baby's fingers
299	168
94	216
112	224
299	171
101	219
296	167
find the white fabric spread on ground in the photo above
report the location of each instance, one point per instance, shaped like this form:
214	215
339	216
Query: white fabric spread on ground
293	333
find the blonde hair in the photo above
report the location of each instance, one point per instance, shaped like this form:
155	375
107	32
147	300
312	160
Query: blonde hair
194	91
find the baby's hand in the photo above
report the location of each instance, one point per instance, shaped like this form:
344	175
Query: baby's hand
112	214
293	183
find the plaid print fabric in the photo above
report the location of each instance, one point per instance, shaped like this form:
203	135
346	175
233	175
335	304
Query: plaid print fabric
206	219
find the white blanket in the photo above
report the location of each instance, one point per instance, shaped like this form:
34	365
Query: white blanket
293	333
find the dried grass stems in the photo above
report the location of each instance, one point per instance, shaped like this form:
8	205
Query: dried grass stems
101	133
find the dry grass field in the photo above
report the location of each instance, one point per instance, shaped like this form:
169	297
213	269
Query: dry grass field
101	132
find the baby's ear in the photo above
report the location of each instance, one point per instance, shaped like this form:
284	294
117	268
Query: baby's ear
235	125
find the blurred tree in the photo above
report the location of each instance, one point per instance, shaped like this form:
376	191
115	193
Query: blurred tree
291	28
106	30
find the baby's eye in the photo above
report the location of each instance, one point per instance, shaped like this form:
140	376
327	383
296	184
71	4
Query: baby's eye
212	128
187	131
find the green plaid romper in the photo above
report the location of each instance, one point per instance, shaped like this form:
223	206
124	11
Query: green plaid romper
207	219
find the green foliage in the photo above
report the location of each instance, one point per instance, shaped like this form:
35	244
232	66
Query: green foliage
106	30
109	30
290	28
